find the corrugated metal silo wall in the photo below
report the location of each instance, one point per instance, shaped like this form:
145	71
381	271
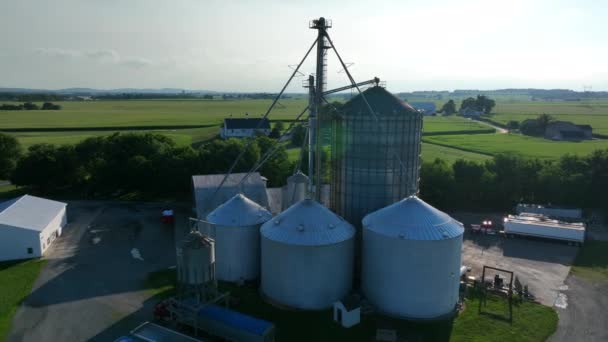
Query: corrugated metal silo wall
366	174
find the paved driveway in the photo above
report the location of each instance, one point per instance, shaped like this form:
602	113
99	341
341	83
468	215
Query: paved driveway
91	288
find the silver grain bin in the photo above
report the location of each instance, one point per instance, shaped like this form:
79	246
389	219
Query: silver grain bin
295	190
411	260
236	231
374	163
195	260
307	257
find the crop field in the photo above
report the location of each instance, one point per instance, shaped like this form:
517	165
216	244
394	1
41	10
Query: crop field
435	124
182	137
492	144
594	113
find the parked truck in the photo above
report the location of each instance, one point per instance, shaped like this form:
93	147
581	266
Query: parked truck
540	226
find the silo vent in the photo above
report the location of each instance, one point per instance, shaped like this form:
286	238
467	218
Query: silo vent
300	228
331	226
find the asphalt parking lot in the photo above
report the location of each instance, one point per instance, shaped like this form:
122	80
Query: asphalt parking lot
91	288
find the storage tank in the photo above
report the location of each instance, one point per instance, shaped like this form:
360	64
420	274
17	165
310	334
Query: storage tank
411	260
366	173
236	231
195	260
295	190
307	257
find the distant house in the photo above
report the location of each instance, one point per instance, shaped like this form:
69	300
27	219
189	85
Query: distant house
471	113
244	127
564	130
426	108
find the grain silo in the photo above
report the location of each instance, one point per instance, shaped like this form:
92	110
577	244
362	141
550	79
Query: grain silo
411	260
374	162
295	190
307	257
196	266
236	231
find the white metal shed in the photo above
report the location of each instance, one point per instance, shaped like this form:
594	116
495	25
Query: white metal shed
28	226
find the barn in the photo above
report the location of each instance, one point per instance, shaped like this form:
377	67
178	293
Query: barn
29	225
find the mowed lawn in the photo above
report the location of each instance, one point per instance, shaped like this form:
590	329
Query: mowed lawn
594	113
492	144
16	281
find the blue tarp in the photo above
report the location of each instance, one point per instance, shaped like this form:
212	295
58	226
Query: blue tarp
235	319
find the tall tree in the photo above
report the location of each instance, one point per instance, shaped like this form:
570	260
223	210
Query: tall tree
449	108
10	151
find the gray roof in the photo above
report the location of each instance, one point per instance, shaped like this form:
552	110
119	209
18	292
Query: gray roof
413	219
307	223
239	211
381	101
29	212
247	123
207	200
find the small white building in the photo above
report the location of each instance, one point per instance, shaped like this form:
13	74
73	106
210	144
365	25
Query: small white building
244	127
28	226
347	312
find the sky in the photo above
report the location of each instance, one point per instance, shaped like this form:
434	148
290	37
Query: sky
233	45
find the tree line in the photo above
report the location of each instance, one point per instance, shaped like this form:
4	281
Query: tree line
481	103
153	166
148	164
505	180
30	106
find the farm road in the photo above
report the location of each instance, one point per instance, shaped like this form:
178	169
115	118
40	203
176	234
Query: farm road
499	130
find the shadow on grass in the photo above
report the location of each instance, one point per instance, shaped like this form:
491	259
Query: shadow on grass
291	325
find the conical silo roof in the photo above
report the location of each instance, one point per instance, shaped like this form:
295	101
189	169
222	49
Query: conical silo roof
298	177
196	240
413	219
307	223
381	101
239	211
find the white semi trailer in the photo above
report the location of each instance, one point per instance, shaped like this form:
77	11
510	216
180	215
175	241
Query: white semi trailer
547	210
540	226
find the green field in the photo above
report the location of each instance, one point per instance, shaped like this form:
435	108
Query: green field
145	113
434	124
430	152
182	137
16	281
493	144
592	260
594	113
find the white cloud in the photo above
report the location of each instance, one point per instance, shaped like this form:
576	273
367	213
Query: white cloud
135	62
101	56
56	52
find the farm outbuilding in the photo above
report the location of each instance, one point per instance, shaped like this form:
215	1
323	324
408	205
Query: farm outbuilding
207	197
28	226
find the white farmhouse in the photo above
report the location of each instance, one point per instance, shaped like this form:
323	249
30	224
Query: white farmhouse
28	226
244	127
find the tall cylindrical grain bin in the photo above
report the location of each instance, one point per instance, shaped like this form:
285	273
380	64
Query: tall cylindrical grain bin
374	163
195	260
236	231
295	190
307	257
411	260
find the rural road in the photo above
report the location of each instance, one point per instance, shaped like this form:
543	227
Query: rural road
92	286
584	317
499	130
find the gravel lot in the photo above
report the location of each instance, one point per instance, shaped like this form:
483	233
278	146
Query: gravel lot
91	288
